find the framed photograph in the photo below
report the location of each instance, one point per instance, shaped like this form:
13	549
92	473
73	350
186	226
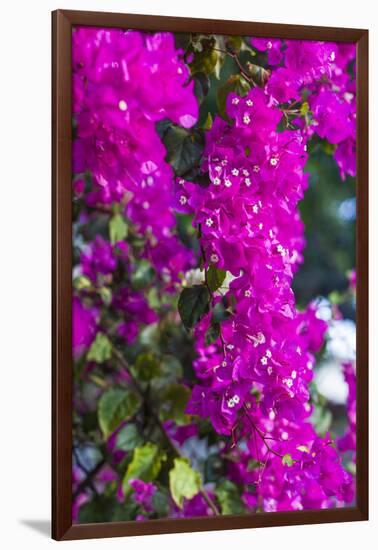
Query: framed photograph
210	274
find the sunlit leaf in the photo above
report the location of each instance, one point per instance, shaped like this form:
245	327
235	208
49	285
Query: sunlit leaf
184	482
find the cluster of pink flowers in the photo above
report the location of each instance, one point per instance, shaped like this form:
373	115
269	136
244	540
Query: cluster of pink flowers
319	71
123	83
253	379
255	376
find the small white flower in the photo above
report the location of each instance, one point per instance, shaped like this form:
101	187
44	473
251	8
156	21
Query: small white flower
236	399
255	208
231	403
214	258
235	100
216	181
332	56
261	226
288	382
224	363
209	222
246	119
181	181
294	374
249	102
228	183
183	200
258	339
179	70
268	353
224	162
247	293
274	161
270	370
284	436
218	169
122	105
269	45
264	361
248	182
245	172
146	205
235	172
256	168
280	248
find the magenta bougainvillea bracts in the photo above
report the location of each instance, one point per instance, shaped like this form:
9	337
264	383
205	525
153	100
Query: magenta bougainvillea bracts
181	215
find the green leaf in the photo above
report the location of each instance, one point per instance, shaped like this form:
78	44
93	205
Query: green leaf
184	482
212	333
115	406
101	349
220	312
117	228
234	44
201	86
215	277
107	508
128	438
82	282
208	122
321	419
236	83
106	295
205	60
304	108
174	402
170	372
229	498
146	367
184	148
145	465
160	503
143	275
193	304
287	460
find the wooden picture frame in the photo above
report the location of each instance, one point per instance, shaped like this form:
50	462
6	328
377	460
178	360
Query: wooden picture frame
62	23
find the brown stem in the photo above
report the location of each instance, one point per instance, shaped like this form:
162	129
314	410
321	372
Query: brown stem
261	434
88	481
235	57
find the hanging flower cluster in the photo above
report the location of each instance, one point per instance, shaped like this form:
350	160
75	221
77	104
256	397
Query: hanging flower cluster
255	375
255	351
